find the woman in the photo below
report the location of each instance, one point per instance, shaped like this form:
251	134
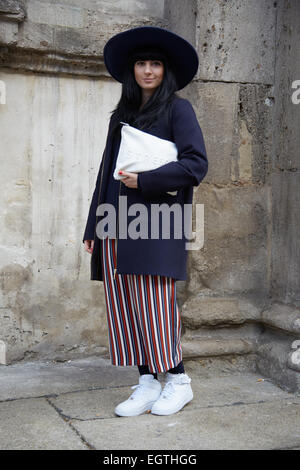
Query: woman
140	273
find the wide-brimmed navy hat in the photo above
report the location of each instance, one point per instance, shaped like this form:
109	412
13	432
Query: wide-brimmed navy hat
182	56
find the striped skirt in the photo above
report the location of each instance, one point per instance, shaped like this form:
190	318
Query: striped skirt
144	323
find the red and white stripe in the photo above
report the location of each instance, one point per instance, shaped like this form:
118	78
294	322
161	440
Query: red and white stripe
143	317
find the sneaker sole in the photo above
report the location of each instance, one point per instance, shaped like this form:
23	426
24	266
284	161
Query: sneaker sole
146	409
161	413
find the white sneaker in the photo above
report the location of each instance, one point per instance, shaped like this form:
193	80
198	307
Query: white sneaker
176	393
142	399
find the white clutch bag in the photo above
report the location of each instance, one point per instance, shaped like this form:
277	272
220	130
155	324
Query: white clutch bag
140	151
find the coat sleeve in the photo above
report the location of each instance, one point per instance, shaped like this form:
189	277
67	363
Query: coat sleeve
191	166
91	220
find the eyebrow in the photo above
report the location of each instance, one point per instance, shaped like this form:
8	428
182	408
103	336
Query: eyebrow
152	60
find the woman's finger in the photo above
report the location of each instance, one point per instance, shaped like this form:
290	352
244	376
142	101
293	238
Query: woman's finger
126	173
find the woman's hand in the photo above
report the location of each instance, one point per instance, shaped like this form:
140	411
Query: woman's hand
130	179
89	245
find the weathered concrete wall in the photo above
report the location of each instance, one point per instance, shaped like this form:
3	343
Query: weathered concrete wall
233	107
68	35
53	124
249	56
285	176
279	349
241	298
233	97
53	131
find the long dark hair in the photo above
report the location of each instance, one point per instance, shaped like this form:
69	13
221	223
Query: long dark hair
127	109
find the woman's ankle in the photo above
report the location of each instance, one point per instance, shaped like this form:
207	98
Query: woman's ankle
144	369
179	369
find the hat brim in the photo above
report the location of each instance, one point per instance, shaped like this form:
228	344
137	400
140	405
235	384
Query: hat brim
182	55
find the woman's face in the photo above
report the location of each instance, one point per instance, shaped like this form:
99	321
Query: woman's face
149	73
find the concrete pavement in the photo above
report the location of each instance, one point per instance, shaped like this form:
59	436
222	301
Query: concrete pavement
70	405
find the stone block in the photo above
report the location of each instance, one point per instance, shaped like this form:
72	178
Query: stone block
55	14
252	161
215	105
119	8
235	40
8	33
236	121
13	10
287	71
285	236
200	311
212	347
234	256
82	29
284	317
274	359
181	17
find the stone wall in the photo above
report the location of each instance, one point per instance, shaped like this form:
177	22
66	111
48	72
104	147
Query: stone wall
242	296
232	93
58	99
241	299
278	354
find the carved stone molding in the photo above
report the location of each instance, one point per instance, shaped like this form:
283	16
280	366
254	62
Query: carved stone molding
72	48
52	62
12	10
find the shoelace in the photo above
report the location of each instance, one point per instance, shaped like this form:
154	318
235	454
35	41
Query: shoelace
168	390
139	390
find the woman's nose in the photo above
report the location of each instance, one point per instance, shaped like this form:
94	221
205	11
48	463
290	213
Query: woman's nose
148	68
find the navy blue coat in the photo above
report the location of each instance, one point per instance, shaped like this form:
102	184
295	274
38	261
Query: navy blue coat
165	257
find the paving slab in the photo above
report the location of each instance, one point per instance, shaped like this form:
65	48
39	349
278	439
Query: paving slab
28	379
33	424
214	391
70	405
44	378
271	425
